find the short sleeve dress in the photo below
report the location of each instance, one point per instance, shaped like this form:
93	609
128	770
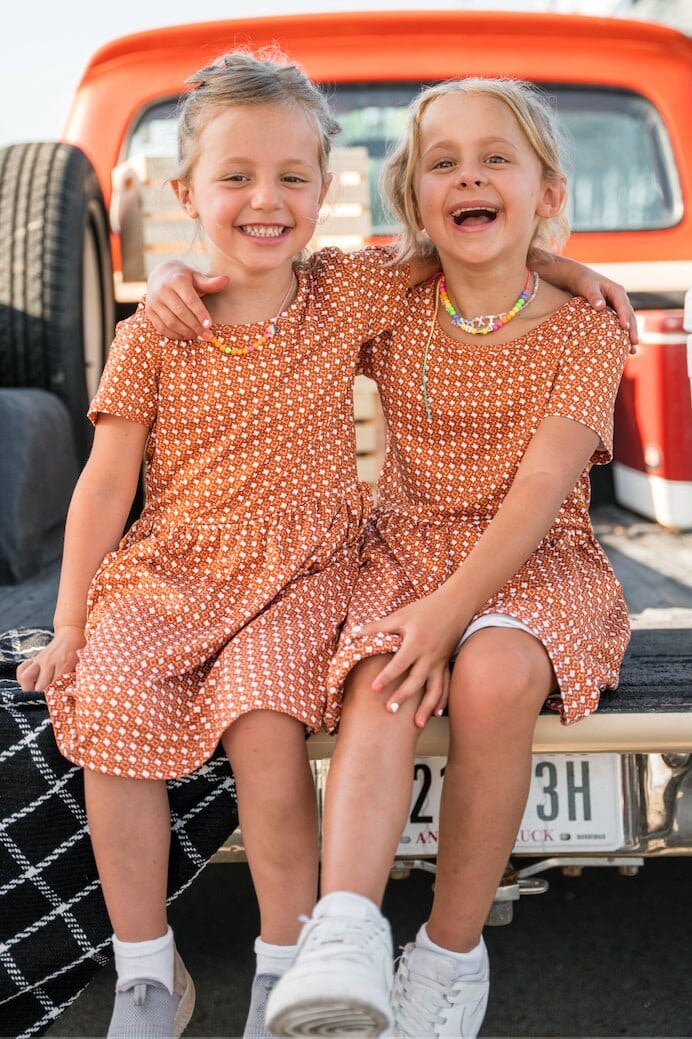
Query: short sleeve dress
227	594
445	477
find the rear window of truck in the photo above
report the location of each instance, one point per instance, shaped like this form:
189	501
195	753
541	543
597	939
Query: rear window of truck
619	159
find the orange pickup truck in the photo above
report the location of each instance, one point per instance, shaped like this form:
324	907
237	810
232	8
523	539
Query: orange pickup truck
84	220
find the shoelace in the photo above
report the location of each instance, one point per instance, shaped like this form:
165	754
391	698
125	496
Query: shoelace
416	1017
347	937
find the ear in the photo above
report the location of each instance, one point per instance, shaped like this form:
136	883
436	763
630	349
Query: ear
326	184
552	197
183	192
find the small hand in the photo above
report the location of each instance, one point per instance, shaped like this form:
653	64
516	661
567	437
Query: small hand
59	657
430	630
173	303
601	292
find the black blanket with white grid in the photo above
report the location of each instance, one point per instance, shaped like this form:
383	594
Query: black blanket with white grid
54	930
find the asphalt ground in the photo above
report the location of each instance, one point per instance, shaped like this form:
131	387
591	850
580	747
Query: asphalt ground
597	955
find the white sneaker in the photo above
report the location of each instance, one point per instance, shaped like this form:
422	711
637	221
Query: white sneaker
431	999
341	980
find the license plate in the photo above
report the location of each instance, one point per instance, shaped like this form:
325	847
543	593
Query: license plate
575	804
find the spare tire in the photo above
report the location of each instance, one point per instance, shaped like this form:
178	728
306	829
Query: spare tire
57	311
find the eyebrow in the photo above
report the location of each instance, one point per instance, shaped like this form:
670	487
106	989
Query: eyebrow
483	141
235	160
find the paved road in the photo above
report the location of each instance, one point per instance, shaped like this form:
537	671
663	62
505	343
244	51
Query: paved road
599	955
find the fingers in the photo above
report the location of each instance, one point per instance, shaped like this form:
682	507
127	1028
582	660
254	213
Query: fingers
44	668
434	699
410	686
179	316
633	331
617	298
385	625
26	673
206	284
393	671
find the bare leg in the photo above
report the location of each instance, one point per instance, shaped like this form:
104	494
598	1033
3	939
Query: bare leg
499	683
129	822
369	787
277	807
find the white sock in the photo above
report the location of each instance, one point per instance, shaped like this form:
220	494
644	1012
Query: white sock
273	959
347	903
152	960
469	963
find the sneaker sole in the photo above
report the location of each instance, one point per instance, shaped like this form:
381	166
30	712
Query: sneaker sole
185	1009
329	1017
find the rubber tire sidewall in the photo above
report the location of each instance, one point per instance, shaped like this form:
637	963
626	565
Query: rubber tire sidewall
57	311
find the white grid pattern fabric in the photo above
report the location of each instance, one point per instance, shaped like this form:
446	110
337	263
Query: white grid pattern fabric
54	929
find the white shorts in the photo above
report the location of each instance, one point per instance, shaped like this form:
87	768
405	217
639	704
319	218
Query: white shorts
492	620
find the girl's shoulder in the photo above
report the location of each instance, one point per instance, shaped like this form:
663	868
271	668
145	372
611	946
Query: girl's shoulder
373	260
584	318
136	334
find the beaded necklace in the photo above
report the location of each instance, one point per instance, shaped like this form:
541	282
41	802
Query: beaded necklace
485	323
270	329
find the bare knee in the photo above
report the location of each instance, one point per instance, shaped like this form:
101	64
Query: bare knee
500	677
363	706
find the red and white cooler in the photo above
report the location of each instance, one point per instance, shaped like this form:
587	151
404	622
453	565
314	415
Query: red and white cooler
652	454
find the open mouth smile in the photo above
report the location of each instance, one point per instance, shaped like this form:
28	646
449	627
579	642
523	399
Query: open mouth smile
474	216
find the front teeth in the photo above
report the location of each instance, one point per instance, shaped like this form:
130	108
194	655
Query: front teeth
262	231
474	209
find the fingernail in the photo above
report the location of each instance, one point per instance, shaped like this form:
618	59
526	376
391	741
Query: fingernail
394	707
440	712
376	686
207	322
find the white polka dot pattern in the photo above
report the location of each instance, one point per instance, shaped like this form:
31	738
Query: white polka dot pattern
443	481
227	594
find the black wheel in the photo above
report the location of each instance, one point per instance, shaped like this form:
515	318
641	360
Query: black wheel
57	312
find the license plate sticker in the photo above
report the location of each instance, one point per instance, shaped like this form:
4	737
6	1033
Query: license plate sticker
575	804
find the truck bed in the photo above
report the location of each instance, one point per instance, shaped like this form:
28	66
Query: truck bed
654	566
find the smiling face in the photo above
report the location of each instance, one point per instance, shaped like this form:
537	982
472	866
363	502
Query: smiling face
256	187
479	185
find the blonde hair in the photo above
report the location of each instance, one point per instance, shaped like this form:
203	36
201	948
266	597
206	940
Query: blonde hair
242	77
535	117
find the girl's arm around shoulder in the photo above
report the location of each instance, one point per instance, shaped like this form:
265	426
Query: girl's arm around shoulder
431	627
174	301
597	290
98	511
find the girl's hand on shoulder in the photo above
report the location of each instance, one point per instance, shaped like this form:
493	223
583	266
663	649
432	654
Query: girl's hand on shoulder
430	630
173	303
600	292
596	289
59	657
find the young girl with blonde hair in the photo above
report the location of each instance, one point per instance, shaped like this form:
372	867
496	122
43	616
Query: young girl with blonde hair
482	588
216	615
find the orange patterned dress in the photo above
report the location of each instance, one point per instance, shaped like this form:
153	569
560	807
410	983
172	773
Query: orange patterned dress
444	479
228	593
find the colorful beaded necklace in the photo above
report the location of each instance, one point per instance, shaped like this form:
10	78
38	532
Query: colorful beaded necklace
486	323
270	329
